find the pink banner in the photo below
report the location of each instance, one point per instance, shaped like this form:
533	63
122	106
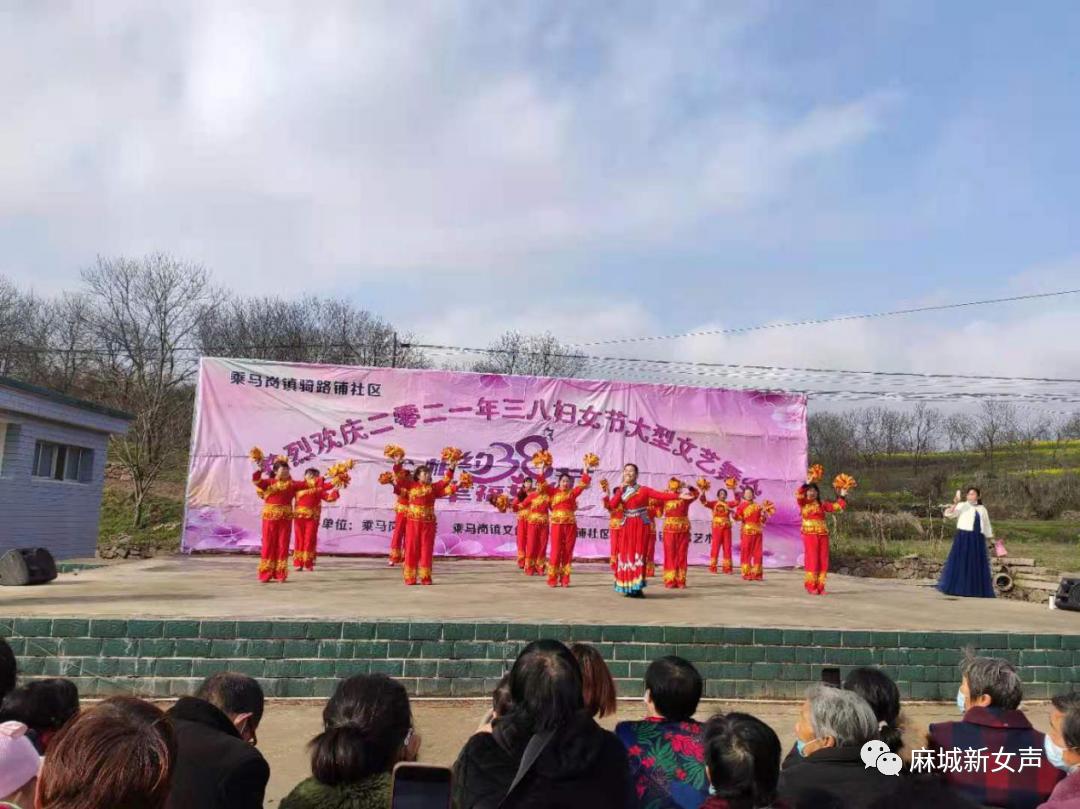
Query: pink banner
320	414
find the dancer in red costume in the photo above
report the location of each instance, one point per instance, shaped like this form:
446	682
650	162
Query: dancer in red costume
398	478
815	532
517	505
677	534
564	527
277	493
309	499
420	528
615	513
634	499
752	517
721	509
537	505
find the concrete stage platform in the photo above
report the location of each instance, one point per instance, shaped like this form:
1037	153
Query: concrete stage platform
359	589
158	626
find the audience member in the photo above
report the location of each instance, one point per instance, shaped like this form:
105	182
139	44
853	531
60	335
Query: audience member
8	669
742	762
368	728
118	754
989	698
922	792
566	759
500	704
1063	750
217	765
44	706
833	726
19	766
667	759
598	686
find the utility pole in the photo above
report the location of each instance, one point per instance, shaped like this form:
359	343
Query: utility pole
393	354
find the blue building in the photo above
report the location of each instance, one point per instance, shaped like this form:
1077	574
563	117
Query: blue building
52	468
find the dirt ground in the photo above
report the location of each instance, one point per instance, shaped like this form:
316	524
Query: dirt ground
446	725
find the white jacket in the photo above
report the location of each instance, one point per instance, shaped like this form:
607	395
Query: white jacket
964	514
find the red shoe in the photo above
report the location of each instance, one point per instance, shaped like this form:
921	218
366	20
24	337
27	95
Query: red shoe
820	590
565	581
521	563
552	581
410	582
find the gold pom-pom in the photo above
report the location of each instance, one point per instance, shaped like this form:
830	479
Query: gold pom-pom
815	473
256	455
703	485
604	485
281	459
674	484
386	478
501	502
731	483
465	480
844	481
452	454
542	458
592	460
769	508
394	452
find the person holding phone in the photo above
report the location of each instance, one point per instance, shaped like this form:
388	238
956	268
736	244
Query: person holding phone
368	730
967	568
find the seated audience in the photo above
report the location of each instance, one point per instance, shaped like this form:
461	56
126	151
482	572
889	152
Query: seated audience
667	759
598	685
8	669
500	704
1062	749
119	753
833	726
217	765
922	792
44	706
742	762
19	766
572	761
989	698
368	728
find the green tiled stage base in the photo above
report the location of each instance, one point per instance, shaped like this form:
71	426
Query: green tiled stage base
306	658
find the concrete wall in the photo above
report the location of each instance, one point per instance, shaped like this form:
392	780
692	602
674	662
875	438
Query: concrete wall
59	515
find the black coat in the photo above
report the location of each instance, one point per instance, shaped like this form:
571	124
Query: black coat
834	778
582	766
215	768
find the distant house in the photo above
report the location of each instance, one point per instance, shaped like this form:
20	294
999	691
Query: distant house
52	468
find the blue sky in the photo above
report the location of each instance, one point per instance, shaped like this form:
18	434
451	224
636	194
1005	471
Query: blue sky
599	169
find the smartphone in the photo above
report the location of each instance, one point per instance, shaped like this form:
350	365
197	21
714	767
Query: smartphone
420	786
831	676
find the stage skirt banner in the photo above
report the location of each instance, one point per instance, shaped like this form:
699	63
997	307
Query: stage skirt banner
317	415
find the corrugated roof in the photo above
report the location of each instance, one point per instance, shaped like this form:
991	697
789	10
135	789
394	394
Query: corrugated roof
63	398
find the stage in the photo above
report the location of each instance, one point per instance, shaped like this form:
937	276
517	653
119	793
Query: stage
157	626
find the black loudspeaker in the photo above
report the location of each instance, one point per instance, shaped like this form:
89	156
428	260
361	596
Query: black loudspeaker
1068	595
27	566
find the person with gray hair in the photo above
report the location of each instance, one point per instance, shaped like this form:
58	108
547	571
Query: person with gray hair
832	727
989	699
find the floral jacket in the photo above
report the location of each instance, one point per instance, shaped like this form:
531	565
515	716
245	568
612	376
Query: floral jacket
667	762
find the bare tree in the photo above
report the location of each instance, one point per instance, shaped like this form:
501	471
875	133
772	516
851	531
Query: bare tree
924	425
145	314
996	424
831	439
1069	428
531	355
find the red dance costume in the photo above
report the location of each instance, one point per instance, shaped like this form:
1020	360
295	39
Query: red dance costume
815	537
636	531
306	515
676	541
537	504
752	518
420	527
614	529
721	532
518	507
563	533
277	496
655	510
401	513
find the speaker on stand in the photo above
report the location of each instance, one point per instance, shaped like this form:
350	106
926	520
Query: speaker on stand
23	566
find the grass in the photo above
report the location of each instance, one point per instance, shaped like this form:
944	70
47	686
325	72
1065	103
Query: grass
162	524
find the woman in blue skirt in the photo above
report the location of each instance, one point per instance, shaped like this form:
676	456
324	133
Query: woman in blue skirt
967	570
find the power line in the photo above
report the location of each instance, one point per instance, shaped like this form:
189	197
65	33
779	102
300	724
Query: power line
821	321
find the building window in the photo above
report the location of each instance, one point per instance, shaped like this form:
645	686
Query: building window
62	462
